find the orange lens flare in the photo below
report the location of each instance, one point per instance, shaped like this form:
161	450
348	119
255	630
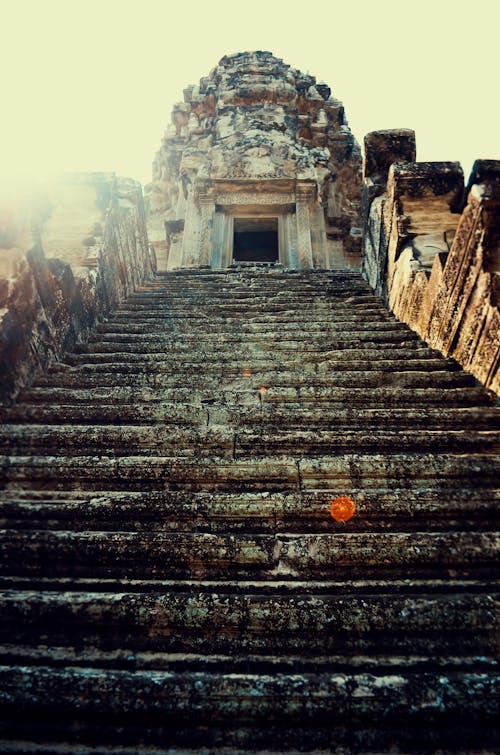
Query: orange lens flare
246	373
342	508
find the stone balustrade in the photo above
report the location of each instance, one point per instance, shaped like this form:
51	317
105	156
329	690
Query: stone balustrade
430	248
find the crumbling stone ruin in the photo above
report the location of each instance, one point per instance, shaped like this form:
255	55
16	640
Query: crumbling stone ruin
258	160
189	382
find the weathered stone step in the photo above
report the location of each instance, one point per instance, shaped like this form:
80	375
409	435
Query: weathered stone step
151	330
256	662
221	440
123	363
92	413
331	399
260	413
332	473
258	284
436	585
285	309
278	289
129	322
60	693
204	317
221	350
390	359
319	627
377	509
234	379
318	555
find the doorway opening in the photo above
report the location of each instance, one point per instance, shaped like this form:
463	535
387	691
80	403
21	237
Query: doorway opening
256	240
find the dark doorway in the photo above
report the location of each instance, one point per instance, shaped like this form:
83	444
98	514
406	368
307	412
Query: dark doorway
255	240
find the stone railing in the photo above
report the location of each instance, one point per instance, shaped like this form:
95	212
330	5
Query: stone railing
432	249
67	258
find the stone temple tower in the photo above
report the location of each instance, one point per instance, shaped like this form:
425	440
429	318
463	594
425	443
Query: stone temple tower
258	165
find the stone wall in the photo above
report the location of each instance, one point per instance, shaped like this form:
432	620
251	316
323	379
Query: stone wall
431	248
67	257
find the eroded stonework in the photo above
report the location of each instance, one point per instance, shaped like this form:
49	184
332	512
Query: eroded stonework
258	150
430	248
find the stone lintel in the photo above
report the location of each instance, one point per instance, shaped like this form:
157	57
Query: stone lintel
385	147
255	209
426	180
262	186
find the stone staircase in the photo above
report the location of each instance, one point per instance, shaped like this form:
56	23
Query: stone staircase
172	580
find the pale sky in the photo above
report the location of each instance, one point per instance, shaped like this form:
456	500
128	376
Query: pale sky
89	85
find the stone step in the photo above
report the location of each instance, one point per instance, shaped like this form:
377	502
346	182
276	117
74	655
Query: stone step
122	363
210	697
51	735
377	510
232	378
330	399
415	586
272	310
223	440
192	317
390	359
220	350
260	413
336	474
129	322
263	556
150	330
169	629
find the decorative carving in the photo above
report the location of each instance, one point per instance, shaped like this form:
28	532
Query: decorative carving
251	198
252	120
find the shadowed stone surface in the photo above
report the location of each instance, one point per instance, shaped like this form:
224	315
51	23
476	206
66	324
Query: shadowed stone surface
171	575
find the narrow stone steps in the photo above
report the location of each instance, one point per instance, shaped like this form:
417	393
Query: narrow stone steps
151	330
327	399
122	322
177	441
220	349
253	662
220	697
334	473
317	628
192	318
275	310
342	357
276	381
377	509
122	362
171	574
209	555
435	585
259	413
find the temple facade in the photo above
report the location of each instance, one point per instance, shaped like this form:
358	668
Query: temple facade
258	165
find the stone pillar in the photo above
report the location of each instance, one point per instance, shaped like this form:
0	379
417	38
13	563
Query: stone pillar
304	195
287	233
197	241
206	203
228	241
191	238
318	238
222	241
